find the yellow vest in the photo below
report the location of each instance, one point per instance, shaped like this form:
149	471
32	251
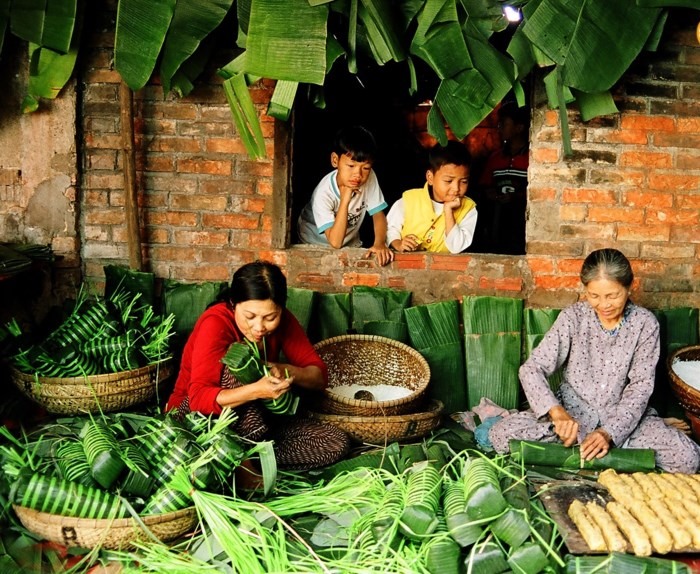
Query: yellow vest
421	221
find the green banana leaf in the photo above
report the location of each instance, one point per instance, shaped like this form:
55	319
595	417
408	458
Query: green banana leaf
379	25
668	3
192	21
278	50
576	33
536	323
141	29
182	82
332	316
282	100
48	73
244	115
48	23
301	303
594	105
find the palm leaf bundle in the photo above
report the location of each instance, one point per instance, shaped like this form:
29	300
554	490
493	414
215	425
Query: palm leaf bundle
379	311
536	323
618	563
558	455
492	343
332	315
301	304
434	332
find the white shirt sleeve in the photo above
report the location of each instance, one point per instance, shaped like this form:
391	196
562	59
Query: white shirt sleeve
324	203
394	221
461	235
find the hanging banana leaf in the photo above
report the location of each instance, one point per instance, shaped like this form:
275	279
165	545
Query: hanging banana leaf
275	49
182	82
594	105
244	115
282	100
192	21
379	23
439	41
575	33
48	73
4	19
48	23
488	17
140	32
668	3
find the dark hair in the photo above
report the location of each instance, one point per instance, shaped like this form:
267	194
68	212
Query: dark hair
608	264
257	281
454	153
356	141
519	114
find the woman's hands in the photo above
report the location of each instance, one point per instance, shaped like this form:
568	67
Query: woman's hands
271	386
595	445
565	426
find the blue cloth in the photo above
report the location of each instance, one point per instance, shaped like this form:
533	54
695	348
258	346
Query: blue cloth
481	433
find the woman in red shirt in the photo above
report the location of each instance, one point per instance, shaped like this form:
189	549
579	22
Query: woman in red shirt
254	309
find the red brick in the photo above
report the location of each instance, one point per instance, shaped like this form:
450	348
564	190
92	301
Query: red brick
253	205
647	267
263	187
174	253
449	262
643	232
100	217
157	235
689	125
107	181
102	77
573	212
199	165
678	216
545	155
541	193
571	247
688	161
647	199
159	163
102	141
613	214
688	201
658	252
198	202
541	265
229	221
316	279
397	283
161	127
225	145
409	261
685	234
367	279
278	256
225	186
569	266
200	237
603	136
646	122
199	273
557	282
646	159
174	144
551	118
176	218
261	168
501	283
587	231
588	195
673	182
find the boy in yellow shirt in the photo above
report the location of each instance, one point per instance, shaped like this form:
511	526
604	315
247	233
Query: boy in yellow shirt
437	217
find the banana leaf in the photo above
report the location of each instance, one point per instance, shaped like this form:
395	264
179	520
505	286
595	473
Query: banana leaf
558	455
282	100
119	278
380	309
618	563
492	344
301	303
182	82
187	301
48	23
244	115
49	72
434	332
332	315
140	32
275	49
192	21
34	251
380	29
536	323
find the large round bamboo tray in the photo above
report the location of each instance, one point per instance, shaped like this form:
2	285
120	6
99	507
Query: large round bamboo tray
110	392
120	533
688	397
381	430
370	360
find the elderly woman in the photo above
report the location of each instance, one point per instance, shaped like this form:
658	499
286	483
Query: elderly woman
608	347
254	309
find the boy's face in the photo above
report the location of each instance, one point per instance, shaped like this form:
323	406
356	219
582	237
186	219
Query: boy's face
449	182
351	173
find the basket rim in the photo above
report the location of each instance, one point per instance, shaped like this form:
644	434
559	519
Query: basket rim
378	405
102	523
675	379
435	407
101	378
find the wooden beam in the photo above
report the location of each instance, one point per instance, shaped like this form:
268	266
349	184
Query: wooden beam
133	229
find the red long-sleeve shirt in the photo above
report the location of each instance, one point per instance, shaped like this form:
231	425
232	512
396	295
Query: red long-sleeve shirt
200	369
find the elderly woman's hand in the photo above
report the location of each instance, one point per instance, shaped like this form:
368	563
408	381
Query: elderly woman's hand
565	426
595	445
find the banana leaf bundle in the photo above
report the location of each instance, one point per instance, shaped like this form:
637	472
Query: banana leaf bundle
244	361
618	563
558	455
379	311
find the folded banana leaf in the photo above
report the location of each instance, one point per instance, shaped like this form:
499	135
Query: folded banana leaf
33	251
332	315
536	323
120	278
379	311
301	304
618	563
558	455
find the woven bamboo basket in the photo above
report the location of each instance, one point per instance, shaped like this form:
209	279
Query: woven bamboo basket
380	430
120	533
110	392
688	397
370	360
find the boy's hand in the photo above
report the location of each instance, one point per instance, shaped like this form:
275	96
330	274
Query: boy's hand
383	254
408	243
453	204
347	192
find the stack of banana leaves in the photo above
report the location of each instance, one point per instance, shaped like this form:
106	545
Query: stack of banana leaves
248	365
99	335
410	509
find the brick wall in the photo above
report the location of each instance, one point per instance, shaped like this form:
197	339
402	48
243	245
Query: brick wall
633	183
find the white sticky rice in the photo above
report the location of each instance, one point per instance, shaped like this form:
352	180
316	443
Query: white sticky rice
689	372
380	392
